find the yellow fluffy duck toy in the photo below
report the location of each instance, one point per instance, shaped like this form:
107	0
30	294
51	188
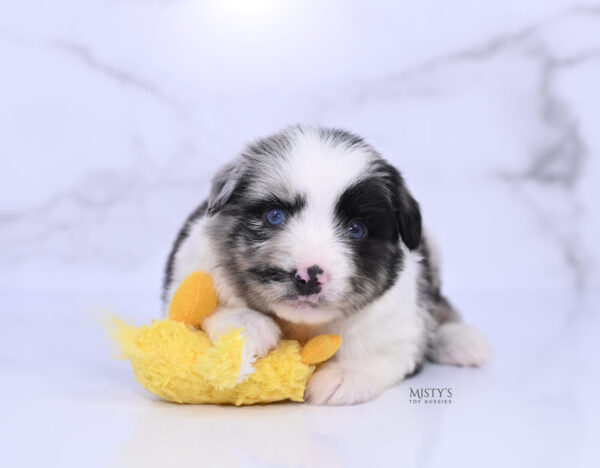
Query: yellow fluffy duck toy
175	360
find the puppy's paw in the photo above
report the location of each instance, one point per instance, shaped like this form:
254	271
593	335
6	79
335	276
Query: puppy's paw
458	344
261	334
333	385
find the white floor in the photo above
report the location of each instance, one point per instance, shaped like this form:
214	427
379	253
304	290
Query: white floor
66	403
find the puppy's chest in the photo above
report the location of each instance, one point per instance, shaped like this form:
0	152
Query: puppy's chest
298	332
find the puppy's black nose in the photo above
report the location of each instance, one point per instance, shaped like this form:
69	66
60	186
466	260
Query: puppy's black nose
307	280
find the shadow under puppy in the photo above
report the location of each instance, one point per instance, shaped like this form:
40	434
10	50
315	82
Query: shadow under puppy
311	231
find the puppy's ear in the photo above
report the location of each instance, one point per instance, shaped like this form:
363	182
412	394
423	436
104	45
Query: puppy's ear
224	183
408	213
409	218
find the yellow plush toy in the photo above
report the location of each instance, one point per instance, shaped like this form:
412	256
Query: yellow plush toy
174	360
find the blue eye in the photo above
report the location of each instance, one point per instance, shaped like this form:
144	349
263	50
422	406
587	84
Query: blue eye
275	216
357	229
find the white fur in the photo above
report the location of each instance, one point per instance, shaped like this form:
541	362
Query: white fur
459	344
382	344
260	332
195	254
316	167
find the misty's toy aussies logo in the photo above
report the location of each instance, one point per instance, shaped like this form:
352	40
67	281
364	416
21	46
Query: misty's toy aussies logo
432	395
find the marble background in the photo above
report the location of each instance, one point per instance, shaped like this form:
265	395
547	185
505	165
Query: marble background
114	115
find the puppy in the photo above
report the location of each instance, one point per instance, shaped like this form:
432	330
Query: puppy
311	231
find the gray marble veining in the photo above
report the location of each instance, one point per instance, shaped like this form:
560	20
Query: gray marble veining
101	203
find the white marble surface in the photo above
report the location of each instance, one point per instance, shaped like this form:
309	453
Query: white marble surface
65	404
113	116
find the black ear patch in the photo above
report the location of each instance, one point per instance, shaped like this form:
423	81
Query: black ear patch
408	213
409	220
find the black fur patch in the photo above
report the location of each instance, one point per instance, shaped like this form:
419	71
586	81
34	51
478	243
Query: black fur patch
378	256
268	274
184	232
258	207
408	213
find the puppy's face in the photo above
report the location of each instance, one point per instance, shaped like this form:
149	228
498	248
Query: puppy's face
312	224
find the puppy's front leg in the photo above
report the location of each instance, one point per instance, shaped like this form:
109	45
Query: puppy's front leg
260	332
352	381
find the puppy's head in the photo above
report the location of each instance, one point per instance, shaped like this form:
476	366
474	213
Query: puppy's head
312	224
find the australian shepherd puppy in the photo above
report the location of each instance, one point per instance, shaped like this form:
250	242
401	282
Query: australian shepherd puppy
311	231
